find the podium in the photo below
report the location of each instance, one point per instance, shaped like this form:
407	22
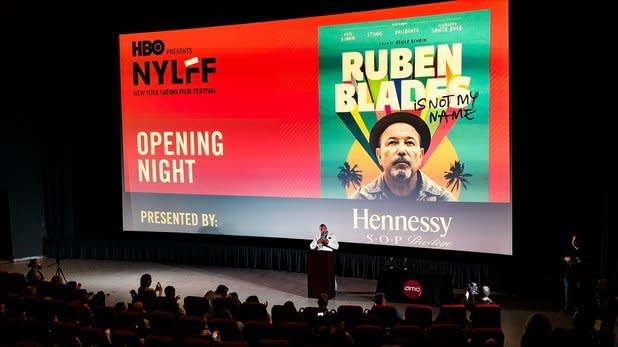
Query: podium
320	273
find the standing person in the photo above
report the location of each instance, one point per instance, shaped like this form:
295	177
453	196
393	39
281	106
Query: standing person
325	240
574	273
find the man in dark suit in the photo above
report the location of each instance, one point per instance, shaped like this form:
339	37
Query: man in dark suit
574	274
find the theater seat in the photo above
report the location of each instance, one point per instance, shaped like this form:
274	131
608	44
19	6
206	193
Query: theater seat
485	316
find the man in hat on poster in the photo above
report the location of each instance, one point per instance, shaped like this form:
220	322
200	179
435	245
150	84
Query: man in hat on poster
400	141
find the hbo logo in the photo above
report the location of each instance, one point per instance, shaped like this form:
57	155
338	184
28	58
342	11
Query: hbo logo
146	48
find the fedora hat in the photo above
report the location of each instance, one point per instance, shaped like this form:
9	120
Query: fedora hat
400	117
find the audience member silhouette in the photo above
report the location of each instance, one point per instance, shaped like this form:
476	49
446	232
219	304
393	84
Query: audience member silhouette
537	331
145	293
323	303
582	333
485	299
290	313
34	275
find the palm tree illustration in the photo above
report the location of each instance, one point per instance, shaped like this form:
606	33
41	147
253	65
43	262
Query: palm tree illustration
350	175
456	176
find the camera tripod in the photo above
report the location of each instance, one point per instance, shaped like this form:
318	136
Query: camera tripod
59	271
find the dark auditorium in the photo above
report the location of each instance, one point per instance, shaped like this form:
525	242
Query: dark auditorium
397	173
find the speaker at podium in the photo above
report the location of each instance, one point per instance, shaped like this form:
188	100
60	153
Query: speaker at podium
321	264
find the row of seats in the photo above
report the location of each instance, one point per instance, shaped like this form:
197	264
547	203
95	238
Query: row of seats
482	316
255	334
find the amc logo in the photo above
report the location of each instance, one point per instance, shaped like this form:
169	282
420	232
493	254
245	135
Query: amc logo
412	289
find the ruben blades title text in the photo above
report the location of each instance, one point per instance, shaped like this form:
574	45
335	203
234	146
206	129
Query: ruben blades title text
402	68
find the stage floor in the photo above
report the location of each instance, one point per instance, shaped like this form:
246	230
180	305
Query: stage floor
117	278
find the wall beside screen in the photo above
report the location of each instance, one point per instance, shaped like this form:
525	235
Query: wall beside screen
263	129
